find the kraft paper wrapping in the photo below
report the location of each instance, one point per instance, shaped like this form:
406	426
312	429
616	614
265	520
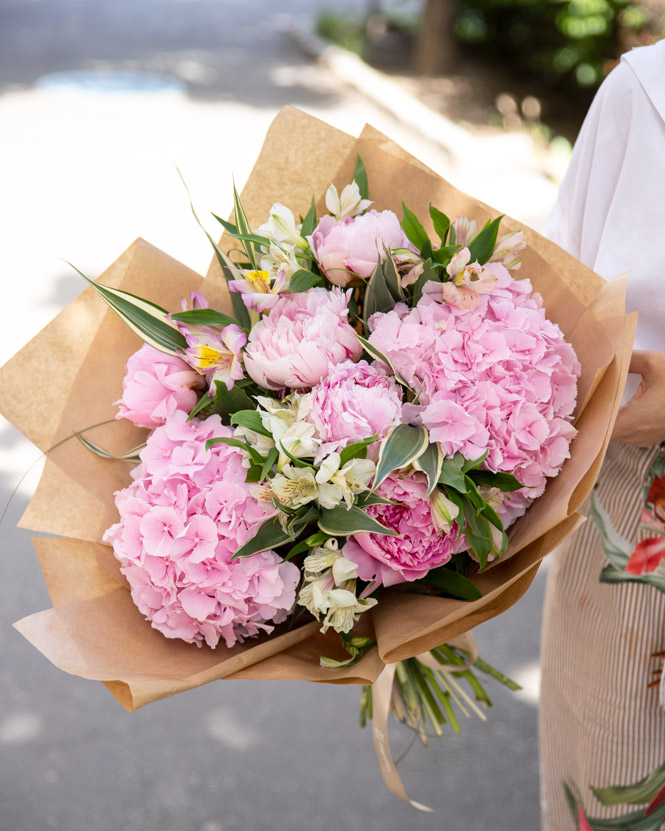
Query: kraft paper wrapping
93	629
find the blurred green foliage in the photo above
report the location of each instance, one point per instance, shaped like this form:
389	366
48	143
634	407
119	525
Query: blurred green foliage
561	41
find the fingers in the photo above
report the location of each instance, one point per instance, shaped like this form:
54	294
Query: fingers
640	362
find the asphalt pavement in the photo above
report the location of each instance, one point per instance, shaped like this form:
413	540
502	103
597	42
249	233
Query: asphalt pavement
87	163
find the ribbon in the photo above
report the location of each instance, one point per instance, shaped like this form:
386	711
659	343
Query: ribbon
381	694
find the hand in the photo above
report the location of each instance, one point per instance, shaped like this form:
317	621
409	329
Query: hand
641	421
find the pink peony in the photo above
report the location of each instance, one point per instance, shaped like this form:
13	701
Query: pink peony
351	247
496	375
181	520
352	402
419	548
296	343
155	386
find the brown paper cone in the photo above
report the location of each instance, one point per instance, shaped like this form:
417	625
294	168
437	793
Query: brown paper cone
93	629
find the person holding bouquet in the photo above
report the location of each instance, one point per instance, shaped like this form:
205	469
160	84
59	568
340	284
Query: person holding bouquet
602	728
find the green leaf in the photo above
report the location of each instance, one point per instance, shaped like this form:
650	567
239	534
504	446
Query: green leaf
379	356
478	534
342	522
269	535
271	459
392	279
452	583
254	474
458	500
254	455
360	177
244	228
309	222
368	498
377	295
431	462
313	541
233	231
429	274
302	280
129	456
229	227
239	308
505	482
441	223
205	317
444	255
482	245
296	461
251	420
399	449
452	473
472	464
355	450
639	793
226	402
149	321
204	401
415	231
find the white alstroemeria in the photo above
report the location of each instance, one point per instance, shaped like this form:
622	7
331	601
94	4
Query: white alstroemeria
330	588
444	512
505	251
256	440
280	262
465	230
260	492
350	203
278	416
294	486
336	484
282	228
299	441
322	558
354	478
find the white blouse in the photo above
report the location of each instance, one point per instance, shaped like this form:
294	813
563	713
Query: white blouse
611	207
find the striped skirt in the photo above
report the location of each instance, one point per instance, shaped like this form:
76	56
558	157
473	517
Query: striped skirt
601	724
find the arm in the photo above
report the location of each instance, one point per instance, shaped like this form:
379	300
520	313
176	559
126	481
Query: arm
641	421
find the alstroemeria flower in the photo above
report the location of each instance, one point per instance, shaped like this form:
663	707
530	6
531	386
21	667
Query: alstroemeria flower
329	589
465	230
282	228
468	281
258	291
506	250
337	483
218	352
295	486
350	203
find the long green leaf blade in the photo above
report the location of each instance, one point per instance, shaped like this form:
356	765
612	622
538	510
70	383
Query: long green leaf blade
360	177
341	521
148	320
270	535
430	462
399	449
452	583
205	317
482	245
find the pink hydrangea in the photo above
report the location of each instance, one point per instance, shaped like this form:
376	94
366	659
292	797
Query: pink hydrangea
181	520
155	386
351	247
354	401
418	548
302	336
498	376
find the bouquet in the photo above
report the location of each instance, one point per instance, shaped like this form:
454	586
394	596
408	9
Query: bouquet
345	418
